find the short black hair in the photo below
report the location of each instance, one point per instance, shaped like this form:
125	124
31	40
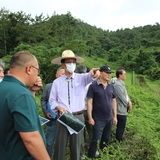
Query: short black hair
6	70
119	71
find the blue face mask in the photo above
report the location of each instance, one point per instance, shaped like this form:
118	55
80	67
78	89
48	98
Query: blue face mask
1	80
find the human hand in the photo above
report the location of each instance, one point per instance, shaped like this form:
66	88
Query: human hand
61	109
96	75
91	121
95	72
37	86
114	121
129	106
48	115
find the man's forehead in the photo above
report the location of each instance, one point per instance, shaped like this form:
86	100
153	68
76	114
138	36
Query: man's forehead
61	70
123	72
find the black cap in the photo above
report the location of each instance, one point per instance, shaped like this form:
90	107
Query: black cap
106	69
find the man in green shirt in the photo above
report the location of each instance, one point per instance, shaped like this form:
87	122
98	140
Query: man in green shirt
21	135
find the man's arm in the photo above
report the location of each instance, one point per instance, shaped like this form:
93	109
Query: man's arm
89	111
53	99
95	72
120	94
53	96
34	144
91	76
114	108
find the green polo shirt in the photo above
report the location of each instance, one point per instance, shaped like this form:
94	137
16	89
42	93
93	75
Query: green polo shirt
18	113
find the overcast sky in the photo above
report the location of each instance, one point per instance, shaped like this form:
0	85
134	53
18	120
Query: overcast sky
105	14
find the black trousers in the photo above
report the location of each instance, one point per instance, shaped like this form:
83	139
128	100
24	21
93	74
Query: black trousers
122	119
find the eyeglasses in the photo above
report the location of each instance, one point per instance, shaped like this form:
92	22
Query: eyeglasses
36	69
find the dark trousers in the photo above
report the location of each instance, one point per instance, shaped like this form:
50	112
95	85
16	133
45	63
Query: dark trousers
62	136
122	119
89	127
101	131
50	136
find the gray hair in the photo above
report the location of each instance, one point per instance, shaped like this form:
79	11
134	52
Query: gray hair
81	69
59	69
2	64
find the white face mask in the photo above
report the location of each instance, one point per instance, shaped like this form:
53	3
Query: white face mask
1	80
70	67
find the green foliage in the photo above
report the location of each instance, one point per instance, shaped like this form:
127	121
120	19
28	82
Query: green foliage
44	57
136	49
142	135
141	138
154	73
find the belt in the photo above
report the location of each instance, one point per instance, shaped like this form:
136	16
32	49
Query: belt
77	113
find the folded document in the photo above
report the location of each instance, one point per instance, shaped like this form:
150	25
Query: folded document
73	124
43	120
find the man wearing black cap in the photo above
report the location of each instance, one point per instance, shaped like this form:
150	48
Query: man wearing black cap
101	95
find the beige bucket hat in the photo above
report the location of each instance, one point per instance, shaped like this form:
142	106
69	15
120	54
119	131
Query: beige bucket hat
67	54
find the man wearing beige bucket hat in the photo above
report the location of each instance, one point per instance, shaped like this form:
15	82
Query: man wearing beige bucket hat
65	55
67	95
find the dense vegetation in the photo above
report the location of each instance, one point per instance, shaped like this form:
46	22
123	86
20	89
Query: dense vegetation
136	49
142	135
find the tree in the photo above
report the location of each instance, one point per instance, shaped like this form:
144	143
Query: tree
4	38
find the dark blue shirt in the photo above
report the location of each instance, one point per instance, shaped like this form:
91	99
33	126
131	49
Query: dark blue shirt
102	100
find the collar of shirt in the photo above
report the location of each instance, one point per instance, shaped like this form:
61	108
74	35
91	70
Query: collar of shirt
98	82
72	77
121	82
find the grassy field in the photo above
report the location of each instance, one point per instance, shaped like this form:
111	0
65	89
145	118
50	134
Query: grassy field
142	135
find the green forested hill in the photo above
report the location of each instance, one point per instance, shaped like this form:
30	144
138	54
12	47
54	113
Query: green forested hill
136	49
